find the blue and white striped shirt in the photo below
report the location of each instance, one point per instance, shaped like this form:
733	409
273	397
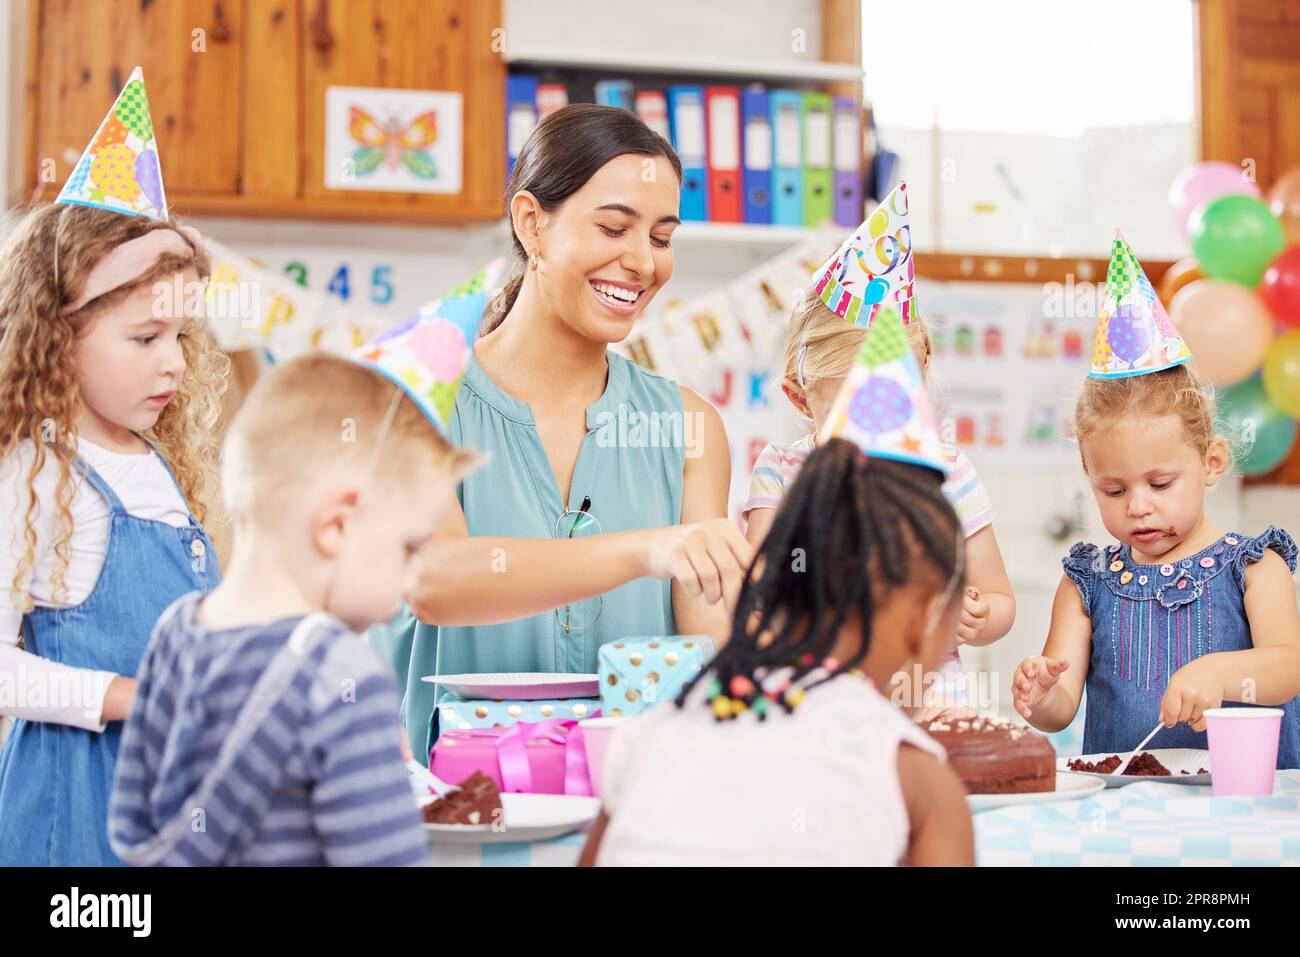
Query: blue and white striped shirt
327	756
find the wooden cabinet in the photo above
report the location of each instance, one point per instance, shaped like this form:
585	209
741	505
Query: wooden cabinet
237	91
1250	84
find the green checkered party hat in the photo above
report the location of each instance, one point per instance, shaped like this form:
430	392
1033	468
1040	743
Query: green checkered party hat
882	407
119	170
1135	335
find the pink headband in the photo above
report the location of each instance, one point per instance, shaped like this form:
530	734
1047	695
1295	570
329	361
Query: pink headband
131	260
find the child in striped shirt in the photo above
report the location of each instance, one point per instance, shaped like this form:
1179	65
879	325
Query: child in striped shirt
819	351
265	730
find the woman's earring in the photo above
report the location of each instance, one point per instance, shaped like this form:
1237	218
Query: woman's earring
532	262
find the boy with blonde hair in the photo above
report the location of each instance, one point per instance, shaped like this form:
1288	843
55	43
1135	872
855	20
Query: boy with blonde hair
265	729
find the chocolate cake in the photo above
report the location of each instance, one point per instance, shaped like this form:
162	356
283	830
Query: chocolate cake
477	802
997	756
1144	765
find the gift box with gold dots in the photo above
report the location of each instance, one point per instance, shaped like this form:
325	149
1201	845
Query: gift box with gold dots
638	673
457	714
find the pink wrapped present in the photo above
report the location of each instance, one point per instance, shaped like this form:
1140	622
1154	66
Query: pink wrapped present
546	757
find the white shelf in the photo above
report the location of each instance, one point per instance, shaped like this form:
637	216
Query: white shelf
812	71
749	233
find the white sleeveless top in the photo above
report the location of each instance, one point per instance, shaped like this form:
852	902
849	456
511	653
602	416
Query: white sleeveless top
818	787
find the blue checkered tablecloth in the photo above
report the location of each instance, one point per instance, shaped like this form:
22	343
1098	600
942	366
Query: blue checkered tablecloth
1146	825
1141	825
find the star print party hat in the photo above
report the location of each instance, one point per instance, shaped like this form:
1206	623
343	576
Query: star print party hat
1134	333
872	267
119	170
426	355
882	407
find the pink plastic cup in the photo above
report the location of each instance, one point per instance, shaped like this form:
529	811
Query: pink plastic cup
595	735
1243	750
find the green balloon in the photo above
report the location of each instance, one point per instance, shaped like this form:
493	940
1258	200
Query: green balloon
1235	238
1261	434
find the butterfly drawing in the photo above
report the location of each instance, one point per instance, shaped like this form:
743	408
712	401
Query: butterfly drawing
393	143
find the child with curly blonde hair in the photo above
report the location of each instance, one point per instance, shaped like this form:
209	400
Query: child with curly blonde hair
112	392
1177	616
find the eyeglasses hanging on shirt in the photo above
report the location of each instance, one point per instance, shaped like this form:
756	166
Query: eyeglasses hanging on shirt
580	523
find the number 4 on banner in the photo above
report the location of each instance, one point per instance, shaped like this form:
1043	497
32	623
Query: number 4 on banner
339	284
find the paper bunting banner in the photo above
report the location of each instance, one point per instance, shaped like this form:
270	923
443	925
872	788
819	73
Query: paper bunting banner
1134	333
250	307
873	266
882	407
119	170
426	355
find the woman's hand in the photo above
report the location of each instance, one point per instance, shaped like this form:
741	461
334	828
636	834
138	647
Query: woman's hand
707	558
118	699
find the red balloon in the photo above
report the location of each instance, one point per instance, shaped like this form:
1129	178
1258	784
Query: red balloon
1280	286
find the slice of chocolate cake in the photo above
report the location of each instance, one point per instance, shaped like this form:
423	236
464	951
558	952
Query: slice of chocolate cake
477	802
997	756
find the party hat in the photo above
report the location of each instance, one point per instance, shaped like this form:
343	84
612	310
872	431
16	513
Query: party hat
873	266
119	169
1134	333
426	355
882	407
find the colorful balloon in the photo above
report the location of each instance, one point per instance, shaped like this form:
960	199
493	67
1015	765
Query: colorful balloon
113	172
1178	275
1281	374
1284	202
149	176
1235	238
1226	326
1260	434
1280	287
1203	182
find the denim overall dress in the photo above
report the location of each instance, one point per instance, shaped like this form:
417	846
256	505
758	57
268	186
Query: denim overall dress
1150	620
55	779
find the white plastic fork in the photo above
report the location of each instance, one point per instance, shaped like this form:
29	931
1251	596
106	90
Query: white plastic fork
1123	766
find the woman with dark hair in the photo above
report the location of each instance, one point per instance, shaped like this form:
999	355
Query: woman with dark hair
601	513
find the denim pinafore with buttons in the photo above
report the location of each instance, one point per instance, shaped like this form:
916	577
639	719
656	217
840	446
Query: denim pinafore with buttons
55	779
1150	620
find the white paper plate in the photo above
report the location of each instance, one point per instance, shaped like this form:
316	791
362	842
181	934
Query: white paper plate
1069	787
1175	759
528	817
518	686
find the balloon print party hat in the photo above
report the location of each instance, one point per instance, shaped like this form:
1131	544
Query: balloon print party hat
119	170
873	266
882	407
1134	333
426	355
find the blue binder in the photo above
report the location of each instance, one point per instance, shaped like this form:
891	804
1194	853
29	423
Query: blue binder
615	93
686	119
787	157
756	142
521	115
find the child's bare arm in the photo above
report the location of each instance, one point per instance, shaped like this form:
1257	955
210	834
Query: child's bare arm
941	831
988	576
758	524
1266	674
1047	688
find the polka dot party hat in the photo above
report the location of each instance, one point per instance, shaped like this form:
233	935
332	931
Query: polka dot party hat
119	169
882	407
426	355
1134	333
872	267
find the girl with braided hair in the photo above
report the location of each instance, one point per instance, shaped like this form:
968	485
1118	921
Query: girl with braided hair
795	746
